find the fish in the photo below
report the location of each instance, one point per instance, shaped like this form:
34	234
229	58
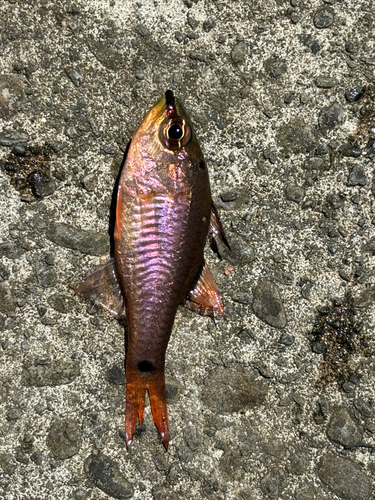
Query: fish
164	217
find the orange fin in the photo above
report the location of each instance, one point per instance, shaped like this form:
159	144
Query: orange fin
216	227
102	287
158	403
205	292
136	385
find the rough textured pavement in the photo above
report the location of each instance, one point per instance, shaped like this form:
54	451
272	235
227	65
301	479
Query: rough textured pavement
276	401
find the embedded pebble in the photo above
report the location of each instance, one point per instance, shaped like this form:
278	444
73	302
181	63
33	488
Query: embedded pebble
106	475
45	275
342	429
61	303
355	93
294	193
363	408
331	117
344	478
268	305
350	150
241	252
296	137
51	374
238	52
357	177
76	76
7	304
234	389
41	184
85	241
4	273
325	82
324	17
116	375
64	439
13	138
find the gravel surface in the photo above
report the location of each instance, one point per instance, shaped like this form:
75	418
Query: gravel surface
276	401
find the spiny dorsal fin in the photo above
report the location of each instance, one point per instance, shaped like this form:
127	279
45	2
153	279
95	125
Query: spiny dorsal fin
103	287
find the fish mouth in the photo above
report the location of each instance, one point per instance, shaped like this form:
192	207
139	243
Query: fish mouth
171	104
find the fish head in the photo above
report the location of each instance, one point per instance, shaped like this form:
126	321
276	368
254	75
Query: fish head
166	146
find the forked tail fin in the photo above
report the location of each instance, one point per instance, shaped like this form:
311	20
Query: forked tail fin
136	385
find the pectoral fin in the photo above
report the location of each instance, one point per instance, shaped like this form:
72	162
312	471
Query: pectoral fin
102	287
216	227
204	291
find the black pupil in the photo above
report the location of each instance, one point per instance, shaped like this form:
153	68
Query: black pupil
175	132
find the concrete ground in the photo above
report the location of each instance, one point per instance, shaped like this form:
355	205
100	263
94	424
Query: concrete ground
276	401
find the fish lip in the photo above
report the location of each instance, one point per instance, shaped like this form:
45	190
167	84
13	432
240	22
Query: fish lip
171	104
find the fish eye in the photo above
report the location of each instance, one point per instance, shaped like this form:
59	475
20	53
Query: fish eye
175	132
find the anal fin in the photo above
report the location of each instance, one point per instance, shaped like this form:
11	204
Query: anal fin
103	288
204	291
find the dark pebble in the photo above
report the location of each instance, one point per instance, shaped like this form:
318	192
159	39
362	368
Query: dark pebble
344	478
229	390
160	492
85	241
268	305
4	273
19	150
342	429
348	387
350	150
357	177
288	98
208	25
37	457
273	483
42	309
106	475
355	93
61	303
275	67
90	182
363	408
325	82
13	414
238	52
324	17
64	439
296	137
307	491
51	374
294	193
241	252
331	117
7	304
13	138
229	196
76	76
41	184
287	340
192	22
45	275
116	375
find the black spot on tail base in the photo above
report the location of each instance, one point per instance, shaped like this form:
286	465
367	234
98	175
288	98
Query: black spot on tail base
145	366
